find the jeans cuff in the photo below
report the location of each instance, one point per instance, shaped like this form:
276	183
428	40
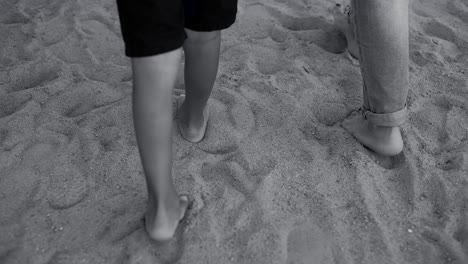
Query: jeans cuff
394	119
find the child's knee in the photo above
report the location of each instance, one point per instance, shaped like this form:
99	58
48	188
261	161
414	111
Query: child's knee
202	37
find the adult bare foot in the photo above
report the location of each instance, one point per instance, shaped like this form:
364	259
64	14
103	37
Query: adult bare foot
386	141
161	223
192	127
344	22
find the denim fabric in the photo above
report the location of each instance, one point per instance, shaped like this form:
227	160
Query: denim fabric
382	33
397	118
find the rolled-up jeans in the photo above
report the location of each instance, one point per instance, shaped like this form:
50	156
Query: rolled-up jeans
382	34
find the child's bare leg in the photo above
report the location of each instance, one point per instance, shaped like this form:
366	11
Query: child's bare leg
153	81
201	67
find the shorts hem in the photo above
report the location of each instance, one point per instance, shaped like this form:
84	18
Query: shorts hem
131	53
153	47
210	26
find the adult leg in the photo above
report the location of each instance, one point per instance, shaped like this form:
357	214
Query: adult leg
201	67
153	80
344	22
382	36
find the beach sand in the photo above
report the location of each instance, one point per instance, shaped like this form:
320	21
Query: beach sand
276	179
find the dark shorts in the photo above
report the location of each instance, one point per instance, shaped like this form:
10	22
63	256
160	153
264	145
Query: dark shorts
152	27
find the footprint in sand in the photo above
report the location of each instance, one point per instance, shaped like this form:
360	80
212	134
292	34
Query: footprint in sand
110	73
109	136
122	221
307	244
48	9
460	221
418	11
390	163
453	161
427	50
11	240
430	124
425	8
442	251
12	16
33	74
266	62
423	58
13	103
102	39
461	235
72	50
456	8
84	99
53	31
67	187
139	249
18	188
245	222
442	128
457	122
66	257
451	43
244	175
40	150
69	257
434	192
398	184
316	30
230	121
233	175
80	109
256	21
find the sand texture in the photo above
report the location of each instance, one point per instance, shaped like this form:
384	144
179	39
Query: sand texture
276	179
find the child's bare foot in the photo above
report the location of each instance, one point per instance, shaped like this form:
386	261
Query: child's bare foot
161	223
192	127
344	23
383	140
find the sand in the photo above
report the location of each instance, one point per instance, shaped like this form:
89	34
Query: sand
276	180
